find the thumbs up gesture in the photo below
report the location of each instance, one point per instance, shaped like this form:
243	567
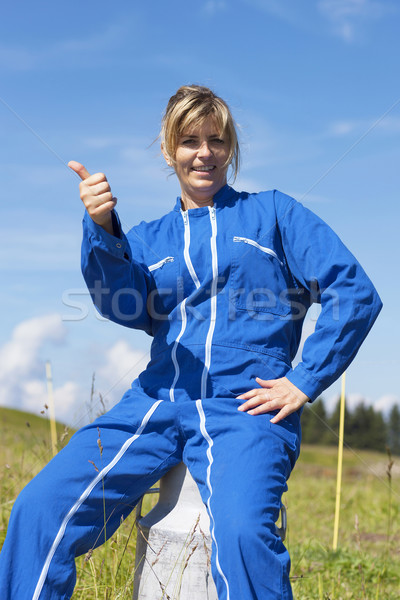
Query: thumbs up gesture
95	192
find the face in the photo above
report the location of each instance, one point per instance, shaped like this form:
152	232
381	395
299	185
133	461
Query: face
201	168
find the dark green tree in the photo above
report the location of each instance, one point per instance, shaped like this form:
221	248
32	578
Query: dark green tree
334	421
368	429
393	430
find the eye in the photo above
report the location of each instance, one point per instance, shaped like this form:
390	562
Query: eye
188	141
218	141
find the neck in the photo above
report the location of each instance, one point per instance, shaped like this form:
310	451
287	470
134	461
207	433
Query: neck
199	198
191	203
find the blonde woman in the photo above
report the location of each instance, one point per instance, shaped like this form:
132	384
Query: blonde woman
222	283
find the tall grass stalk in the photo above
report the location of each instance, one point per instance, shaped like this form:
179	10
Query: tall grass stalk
104	501
320	587
390	499
360	562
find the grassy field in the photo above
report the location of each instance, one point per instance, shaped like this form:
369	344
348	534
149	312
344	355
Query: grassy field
366	565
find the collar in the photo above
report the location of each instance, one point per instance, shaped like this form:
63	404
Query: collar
219	199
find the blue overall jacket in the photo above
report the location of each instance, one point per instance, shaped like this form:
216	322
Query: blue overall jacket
224	291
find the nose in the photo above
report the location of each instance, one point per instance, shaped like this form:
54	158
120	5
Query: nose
204	150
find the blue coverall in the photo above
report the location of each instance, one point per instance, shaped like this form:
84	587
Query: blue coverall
224	291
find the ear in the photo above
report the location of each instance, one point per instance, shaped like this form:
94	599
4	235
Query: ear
166	156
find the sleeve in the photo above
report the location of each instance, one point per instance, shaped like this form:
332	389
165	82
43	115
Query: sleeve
118	282
323	265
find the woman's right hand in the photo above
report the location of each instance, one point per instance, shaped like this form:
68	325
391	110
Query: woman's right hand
95	192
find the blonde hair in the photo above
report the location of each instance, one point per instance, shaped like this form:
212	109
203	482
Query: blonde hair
191	105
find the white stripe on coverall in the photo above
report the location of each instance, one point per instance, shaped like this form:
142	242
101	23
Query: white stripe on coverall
100	476
196	281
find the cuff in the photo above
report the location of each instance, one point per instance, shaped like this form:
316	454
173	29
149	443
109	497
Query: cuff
305	382
115	244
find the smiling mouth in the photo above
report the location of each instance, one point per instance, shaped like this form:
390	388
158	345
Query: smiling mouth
203	169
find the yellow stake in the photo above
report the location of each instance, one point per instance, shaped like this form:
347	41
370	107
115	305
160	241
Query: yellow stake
340	463
53	430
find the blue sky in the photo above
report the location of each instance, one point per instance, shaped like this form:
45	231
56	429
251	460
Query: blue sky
315	89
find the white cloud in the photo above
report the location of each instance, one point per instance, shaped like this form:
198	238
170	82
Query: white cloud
308	329
19	356
342	128
16	57
286	11
385	403
342	9
122	365
23	382
213	6
21	57
353	399
22	369
347	17
67	399
385	125
390	125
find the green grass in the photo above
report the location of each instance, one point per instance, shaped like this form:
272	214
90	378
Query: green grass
367	562
366	565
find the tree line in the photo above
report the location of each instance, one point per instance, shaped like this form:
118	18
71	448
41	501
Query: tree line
364	427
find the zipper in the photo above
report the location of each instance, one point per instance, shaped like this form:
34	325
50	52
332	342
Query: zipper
257	245
186	254
213	300
161	263
175	348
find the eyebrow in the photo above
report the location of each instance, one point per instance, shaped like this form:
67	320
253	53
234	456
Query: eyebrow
194	136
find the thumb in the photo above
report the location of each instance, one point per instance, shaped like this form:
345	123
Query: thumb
79	169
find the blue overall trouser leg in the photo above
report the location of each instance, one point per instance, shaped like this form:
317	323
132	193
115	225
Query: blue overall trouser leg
60	513
240	463
241	482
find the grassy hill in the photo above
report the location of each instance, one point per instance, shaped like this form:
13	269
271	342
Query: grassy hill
24	450
18	421
22	433
365	566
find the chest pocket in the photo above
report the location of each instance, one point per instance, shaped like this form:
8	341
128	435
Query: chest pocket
260	278
163	297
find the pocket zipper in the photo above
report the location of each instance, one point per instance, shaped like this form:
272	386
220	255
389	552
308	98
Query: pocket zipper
161	263
257	245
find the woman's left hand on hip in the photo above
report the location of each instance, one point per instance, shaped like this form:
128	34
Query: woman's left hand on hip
274	394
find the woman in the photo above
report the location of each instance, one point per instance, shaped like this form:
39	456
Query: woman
222	283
